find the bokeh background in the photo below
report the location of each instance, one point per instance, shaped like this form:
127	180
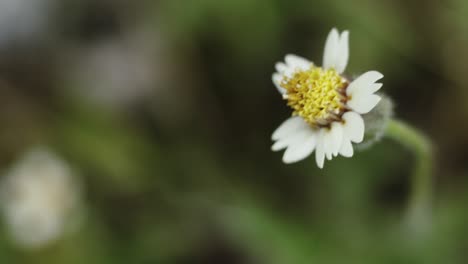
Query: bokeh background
163	111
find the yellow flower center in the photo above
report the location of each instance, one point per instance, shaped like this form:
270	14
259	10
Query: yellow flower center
317	95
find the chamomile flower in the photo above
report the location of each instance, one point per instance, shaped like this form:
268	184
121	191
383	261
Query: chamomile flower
327	106
39	199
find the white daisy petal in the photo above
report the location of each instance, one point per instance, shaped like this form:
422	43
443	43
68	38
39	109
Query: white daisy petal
320	152
327	140
280	67
332	139
291	139
337	135
353	127
281	144
342	57
277	78
285	70
346	149
365	83
331	49
300	149
363	103
297	62
291	125
372	88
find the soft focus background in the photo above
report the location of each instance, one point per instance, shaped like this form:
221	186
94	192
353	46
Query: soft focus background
158	114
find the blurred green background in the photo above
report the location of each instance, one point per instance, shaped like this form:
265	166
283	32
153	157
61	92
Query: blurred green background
164	109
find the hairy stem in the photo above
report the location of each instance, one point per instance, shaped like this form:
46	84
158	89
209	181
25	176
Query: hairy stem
419	201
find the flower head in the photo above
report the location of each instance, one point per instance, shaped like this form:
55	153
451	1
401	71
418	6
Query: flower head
326	105
39	196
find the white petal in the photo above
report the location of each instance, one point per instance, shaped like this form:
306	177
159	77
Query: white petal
300	149
373	88
353	127
332	139
331	49
346	149
291	139
362	103
328	140
320	152
297	62
281	144
336	137
291	125
277	78
342	57
365	83
280	67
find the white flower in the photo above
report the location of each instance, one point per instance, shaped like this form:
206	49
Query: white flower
38	198
326	105
116	73
33	25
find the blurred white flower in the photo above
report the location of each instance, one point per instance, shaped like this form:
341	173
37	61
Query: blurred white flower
22	20
326	105
118	72
38	198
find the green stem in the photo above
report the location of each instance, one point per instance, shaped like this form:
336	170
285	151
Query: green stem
420	195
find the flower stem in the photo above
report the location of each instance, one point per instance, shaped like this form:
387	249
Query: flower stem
420	195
